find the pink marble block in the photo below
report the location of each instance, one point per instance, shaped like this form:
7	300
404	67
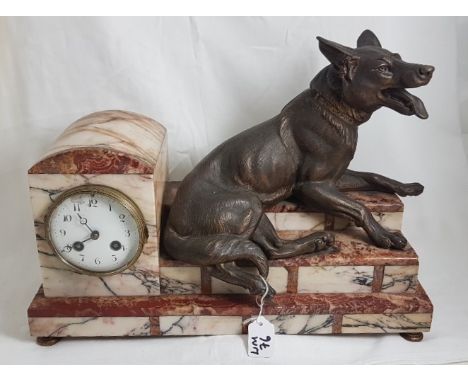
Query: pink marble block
119	149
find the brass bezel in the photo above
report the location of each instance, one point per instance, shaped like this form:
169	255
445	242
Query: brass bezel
110	192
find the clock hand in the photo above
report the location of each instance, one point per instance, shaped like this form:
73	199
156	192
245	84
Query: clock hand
94	236
94	233
84	221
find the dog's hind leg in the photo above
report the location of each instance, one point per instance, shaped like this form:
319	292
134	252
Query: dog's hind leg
217	250
276	248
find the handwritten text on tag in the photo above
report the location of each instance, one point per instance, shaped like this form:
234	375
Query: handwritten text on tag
261	338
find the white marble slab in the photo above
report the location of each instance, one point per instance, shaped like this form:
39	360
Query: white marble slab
180	280
89	326
292	221
199	325
386	323
302	323
160	177
223	325
61	281
400	279
44	188
335	279
277	278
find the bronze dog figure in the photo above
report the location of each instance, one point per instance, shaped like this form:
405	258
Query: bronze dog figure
217	216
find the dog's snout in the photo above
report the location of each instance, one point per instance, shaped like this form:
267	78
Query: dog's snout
425	71
414	75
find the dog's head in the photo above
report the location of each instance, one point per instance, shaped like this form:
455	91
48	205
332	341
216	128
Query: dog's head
372	77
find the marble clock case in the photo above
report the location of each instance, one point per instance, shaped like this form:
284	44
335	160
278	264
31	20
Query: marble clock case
123	150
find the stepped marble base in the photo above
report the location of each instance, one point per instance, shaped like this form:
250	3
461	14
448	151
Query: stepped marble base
353	265
182	315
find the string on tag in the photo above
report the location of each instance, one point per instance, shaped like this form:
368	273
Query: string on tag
259	304
260	332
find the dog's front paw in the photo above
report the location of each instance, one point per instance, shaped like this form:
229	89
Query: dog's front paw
410	189
386	239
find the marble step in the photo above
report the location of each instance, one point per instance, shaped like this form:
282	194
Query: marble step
290	217
180	315
353	265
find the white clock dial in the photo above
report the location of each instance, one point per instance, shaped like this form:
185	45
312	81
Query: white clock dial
95	229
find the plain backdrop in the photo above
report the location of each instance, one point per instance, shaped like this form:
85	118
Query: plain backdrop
207	79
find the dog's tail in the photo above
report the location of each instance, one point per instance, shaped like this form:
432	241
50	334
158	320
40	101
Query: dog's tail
214	249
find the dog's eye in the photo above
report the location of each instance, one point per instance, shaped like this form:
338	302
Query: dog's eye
383	69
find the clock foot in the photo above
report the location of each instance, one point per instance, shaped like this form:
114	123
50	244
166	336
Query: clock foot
413	337
47	341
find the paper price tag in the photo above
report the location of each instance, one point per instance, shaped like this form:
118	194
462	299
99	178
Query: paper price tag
261	338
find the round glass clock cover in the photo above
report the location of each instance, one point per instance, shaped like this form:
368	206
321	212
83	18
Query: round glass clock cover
96	229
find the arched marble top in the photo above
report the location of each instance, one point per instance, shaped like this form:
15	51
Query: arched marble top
105	142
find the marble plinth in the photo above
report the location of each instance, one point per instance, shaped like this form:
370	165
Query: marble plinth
353	265
179	315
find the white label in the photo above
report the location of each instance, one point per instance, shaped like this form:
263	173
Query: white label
261	338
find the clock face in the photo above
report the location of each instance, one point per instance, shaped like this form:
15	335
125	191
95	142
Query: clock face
96	229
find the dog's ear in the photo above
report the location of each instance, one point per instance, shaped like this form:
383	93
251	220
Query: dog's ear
341	57
368	38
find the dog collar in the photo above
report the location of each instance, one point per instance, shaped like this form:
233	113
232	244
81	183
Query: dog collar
331	109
